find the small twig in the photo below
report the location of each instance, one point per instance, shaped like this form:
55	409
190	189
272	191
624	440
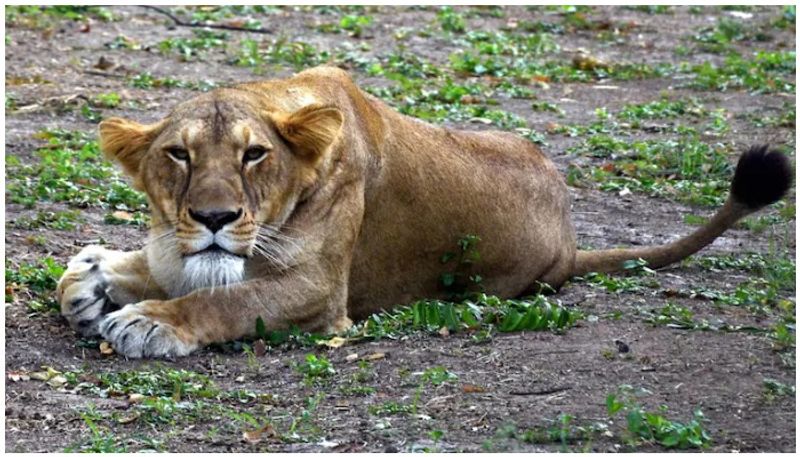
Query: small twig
102	73
540	392
207	26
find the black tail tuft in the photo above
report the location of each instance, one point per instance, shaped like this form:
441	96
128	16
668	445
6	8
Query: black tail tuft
762	177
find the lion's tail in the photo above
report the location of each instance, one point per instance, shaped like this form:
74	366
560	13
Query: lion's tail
762	177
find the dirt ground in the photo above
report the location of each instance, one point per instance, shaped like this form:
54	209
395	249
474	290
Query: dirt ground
514	381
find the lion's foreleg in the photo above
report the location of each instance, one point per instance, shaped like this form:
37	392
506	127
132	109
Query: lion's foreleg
165	328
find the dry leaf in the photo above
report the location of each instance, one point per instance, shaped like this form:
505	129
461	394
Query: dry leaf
254	436
16	376
444	331
128	419
375	356
135	398
122	215
259	348
105	348
104	63
335	342
57	381
45	375
472	389
351	357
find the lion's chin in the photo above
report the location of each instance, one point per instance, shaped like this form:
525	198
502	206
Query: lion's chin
212	269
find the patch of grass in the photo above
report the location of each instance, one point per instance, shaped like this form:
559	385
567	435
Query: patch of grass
107	100
680	317
541	106
717	38
36	281
461	278
71	169
654	427
450	20
773	390
563	431
389	408
773	277
764	73
39	17
482	312
100	441
661	109
686	170
315	369
148	81
779	271
650	9
508	44
787	117
296	54
469	63
56	220
159	381
433	378
788	18
187	48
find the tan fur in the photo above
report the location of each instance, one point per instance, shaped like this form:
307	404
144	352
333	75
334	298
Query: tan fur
363	202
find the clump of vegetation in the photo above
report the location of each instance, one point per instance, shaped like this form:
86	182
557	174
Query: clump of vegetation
686	170
35	281
72	170
39	17
56	220
767	72
203	40
654	426
148	81
315	369
433	377
450	20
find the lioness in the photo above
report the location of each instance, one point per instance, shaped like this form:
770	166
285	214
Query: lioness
307	201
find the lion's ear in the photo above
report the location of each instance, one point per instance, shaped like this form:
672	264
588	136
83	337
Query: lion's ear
311	129
127	141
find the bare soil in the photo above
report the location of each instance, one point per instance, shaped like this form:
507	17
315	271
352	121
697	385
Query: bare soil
526	379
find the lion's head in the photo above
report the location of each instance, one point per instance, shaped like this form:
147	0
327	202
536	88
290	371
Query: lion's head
222	172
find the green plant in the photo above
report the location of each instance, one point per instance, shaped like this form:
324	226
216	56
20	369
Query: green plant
37	280
57	220
461	278
71	169
187	48
100	441
654	427
107	100
774	389
450	20
355	24
434	376
315	369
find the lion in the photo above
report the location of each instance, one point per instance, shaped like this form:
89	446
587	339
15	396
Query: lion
307	202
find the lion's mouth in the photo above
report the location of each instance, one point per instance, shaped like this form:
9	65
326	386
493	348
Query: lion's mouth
216	250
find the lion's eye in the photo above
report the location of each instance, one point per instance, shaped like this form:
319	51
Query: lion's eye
178	153
254	153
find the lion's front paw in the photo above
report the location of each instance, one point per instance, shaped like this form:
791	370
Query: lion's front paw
83	291
134	334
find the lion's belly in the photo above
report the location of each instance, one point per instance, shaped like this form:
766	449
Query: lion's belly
520	211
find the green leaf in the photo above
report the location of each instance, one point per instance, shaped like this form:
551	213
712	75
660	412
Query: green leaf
261	329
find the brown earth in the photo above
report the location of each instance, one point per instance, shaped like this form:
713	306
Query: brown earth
527	379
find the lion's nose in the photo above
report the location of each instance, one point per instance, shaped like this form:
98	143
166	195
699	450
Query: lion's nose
215	220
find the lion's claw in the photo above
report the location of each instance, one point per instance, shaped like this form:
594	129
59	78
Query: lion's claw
134	334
